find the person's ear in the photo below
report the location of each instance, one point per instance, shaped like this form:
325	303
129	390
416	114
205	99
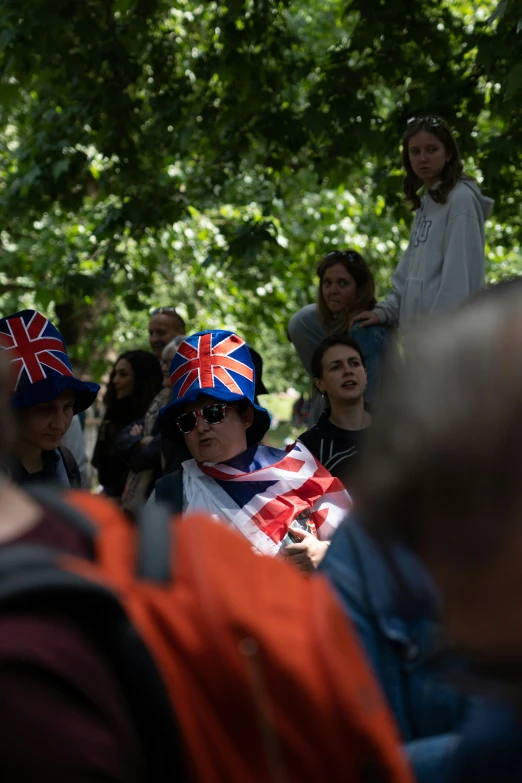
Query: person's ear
319	385
248	416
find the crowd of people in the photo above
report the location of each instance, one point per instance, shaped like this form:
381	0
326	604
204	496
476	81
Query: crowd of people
345	608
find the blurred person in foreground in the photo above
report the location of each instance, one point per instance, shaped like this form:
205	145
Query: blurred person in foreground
45	395
443	476
400	637
281	502
165	324
98	676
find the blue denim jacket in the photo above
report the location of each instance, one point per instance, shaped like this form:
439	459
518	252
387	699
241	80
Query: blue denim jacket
401	640
491	747
374	342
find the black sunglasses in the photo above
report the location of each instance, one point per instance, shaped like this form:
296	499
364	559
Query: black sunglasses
212	414
433	121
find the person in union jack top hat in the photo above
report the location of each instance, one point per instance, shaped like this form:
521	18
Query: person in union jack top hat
283	502
45	395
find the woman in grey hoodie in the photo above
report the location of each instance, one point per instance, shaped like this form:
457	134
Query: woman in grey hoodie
444	262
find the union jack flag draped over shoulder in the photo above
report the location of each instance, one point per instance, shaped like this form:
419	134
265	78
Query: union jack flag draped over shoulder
263	491
33	347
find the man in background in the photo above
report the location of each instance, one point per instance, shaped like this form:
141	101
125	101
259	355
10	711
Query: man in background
165	324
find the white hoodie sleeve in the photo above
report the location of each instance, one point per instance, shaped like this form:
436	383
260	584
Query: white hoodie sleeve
463	269
388	310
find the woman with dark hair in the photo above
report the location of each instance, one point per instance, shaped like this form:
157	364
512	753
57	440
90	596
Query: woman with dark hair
346	288
444	261
140	443
339	372
135	380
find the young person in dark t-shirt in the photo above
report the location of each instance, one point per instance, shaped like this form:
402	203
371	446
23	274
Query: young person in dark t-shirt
340	375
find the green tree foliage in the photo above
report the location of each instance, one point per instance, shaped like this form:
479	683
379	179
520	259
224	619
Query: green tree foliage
207	154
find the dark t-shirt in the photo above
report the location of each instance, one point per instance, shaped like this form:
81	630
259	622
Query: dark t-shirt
47	473
67	474
335	448
63	716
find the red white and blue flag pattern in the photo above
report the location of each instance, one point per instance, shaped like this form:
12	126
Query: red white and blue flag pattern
213	362
33	347
264	490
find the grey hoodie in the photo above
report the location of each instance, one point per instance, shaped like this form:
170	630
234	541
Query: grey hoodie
444	261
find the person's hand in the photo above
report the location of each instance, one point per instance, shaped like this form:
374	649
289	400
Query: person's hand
307	553
146	440
136	429
365	318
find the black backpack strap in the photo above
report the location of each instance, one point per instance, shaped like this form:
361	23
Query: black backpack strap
155	543
27	570
169	490
71	467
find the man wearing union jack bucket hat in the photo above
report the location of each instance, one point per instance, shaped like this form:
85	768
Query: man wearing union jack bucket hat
44	397
281	501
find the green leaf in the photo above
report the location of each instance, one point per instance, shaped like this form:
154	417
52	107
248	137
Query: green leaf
44	297
513	82
60	167
8	94
8	35
499	12
122	6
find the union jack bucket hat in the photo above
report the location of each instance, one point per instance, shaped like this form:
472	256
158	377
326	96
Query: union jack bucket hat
215	364
39	368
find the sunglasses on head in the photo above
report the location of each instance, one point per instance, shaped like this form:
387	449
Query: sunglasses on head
211	414
351	255
433	121
159	310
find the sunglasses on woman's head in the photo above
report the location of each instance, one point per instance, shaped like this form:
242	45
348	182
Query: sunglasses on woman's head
159	310
212	414
433	121
351	255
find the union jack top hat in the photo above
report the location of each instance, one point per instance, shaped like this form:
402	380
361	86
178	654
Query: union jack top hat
214	364
39	367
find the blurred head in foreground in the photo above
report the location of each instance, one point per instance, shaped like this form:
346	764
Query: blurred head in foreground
443	470
6	421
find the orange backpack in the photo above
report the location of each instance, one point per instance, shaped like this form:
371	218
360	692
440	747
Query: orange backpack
236	668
